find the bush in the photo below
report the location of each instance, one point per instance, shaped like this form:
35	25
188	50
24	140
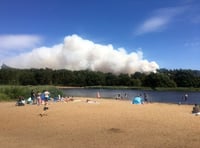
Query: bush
4	97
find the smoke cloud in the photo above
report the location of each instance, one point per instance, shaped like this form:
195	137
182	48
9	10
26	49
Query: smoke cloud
76	53
18	42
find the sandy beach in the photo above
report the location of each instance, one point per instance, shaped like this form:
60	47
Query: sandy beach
105	124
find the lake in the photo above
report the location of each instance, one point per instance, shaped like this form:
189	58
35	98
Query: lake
154	96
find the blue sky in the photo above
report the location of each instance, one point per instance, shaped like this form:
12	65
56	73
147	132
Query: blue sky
151	33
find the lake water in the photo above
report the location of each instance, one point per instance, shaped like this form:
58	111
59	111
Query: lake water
154	96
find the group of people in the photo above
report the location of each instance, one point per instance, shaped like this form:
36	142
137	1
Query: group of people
120	97
43	98
196	107
141	99
36	98
63	99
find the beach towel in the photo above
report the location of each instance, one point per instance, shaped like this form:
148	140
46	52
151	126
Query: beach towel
197	114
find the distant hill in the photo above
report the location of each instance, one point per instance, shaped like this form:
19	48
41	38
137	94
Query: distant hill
4	66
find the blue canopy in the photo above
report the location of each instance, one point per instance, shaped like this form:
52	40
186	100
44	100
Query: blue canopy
137	100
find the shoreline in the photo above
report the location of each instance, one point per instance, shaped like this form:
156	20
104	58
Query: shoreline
112	99
60	87
178	89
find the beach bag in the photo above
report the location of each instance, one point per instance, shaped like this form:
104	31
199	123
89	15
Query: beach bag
29	100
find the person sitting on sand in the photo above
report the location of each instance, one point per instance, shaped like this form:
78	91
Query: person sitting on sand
118	97
91	101
196	109
69	99
21	101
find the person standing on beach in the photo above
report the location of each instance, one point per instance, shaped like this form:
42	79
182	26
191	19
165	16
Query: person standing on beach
33	96
145	98
46	99
98	95
186	97
38	98
125	96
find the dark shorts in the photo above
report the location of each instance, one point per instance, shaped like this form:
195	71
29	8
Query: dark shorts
46	108
46	99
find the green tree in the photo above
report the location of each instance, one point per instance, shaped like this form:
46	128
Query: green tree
184	78
154	80
124	79
27	78
111	79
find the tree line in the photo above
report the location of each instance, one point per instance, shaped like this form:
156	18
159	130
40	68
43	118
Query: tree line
63	77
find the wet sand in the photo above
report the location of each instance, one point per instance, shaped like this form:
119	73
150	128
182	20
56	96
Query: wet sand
105	124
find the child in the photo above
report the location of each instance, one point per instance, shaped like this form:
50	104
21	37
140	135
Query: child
45	109
46	98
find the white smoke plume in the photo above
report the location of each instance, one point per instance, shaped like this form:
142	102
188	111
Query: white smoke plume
77	53
18	42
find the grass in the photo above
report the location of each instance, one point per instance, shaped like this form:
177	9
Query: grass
12	92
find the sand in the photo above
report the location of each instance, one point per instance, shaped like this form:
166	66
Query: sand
106	124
